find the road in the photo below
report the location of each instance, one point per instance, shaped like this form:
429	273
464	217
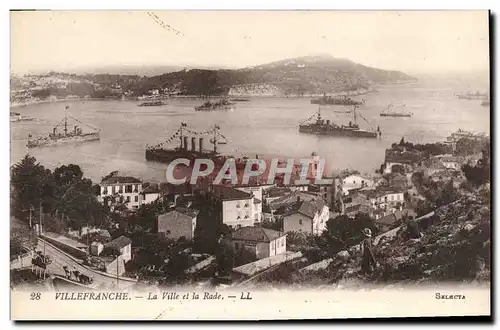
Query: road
59	260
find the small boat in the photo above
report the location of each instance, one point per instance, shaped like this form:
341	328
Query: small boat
388	112
223	104
485	103
17	117
473	96
152	104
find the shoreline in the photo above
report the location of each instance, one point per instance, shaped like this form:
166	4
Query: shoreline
370	90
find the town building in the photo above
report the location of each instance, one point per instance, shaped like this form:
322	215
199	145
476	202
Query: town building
124	189
238	208
262	242
307	217
150	194
384	198
121	246
96	248
353	182
178	223
279	205
275	193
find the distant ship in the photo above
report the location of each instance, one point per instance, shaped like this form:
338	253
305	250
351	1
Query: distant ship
342	100
389	112
240	100
152	104
67	136
485	103
16	117
322	127
223	104
473	96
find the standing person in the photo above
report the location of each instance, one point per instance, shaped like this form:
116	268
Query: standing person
368	262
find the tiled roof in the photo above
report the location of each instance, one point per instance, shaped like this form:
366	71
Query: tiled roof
307	208
277	191
118	243
310	208
120	179
151	189
229	193
256	234
179	214
360	208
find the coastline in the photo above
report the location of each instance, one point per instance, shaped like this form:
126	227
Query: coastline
358	92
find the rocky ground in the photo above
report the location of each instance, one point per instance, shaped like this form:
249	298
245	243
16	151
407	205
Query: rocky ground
455	246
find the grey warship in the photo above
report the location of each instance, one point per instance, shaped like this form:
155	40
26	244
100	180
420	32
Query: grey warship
325	127
67	136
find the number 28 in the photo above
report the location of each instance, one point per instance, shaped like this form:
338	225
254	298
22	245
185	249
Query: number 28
35	296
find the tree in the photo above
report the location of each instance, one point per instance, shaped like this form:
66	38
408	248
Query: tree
342	231
67	175
32	185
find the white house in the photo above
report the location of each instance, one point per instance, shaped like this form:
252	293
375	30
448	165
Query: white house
262	242
308	217
150	194
258	194
239	208
383	199
178	223
121	246
124	188
355	182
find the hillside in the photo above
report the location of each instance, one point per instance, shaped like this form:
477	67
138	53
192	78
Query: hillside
300	76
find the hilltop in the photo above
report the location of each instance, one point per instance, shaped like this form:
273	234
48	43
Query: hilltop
302	75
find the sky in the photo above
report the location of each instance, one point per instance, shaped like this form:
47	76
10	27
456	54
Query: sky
412	42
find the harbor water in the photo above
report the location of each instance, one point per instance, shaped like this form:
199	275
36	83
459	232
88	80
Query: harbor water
264	126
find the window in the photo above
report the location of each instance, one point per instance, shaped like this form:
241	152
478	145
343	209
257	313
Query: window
128	199
246	204
128	188
238	205
300	221
105	191
136	199
113	190
238	218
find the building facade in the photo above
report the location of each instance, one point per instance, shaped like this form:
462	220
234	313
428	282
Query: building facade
261	242
178	223
238	208
122	189
309	217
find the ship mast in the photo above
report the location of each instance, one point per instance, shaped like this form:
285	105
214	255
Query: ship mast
354	114
215	138
66	121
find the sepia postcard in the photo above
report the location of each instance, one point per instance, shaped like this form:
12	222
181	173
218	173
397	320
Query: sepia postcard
249	165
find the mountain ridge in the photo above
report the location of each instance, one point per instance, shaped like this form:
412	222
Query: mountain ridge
317	74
